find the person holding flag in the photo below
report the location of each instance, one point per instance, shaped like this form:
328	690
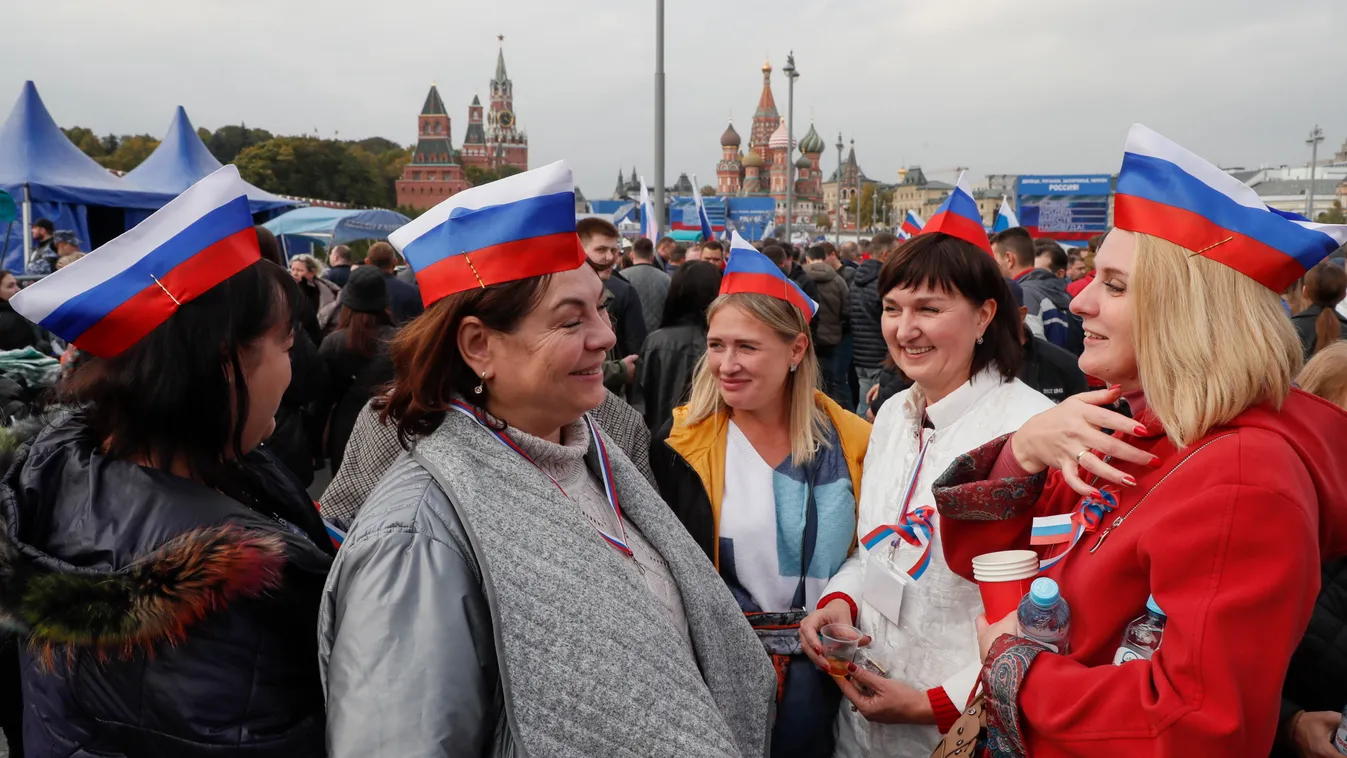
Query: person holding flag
1218	498
161	567
951	327
708	232
764	470
515	569
1005	217
649	222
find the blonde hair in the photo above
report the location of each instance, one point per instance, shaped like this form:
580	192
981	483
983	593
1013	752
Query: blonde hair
1326	374
808	422
1210	342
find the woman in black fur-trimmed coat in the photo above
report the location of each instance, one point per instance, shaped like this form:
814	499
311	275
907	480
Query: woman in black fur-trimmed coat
163	567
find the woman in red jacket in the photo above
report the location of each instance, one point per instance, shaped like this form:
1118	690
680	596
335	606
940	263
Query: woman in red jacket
1217	496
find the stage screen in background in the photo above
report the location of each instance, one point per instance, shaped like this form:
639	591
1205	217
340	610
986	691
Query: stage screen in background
1070	208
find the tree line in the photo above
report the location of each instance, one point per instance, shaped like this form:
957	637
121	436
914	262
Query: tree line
359	172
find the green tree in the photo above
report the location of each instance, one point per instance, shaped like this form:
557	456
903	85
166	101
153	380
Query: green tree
707	190
132	150
309	167
478	176
228	141
378	145
1333	215
110	143
204	135
823	221
86	140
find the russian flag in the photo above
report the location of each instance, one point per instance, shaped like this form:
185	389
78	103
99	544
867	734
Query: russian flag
513	228
958	216
707	232
749	271
912	225
1168	192
110	299
648	229
1005	217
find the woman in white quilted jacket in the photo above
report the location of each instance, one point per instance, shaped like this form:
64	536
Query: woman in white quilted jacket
952	328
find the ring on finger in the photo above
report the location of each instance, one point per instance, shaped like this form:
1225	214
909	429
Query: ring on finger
1078	455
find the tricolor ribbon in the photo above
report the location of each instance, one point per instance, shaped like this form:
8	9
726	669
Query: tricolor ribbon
914	527
605	469
1086	518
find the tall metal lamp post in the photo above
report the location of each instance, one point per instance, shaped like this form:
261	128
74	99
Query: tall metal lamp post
659	118
858	195
1316	137
791	76
837	232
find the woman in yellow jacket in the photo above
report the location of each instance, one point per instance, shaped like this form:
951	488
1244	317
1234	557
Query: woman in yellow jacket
764	471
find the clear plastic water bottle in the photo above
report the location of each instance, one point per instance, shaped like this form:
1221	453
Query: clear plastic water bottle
1340	739
1044	616
1142	637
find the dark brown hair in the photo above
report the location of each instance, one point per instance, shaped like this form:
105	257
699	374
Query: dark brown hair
363	329
429	371
382	256
586	228
270	248
1018	243
949	264
1326	285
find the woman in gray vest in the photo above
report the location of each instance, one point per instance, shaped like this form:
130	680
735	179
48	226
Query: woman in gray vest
514	586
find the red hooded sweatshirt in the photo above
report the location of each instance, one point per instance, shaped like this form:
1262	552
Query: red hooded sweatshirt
1227	534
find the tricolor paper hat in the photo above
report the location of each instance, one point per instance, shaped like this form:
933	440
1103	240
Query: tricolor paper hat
749	271
912	225
513	228
1171	193
958	217
111	298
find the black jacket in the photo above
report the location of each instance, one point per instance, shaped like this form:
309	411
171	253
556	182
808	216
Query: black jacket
1317	678
868	342
664	371
16	332
628	321
159	616
404	300
298	436
1051	370
1304	324
682	489
338	275
352	379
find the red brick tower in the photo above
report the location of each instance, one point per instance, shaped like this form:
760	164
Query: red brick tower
474	139
765	119
730	170
507	144
433	174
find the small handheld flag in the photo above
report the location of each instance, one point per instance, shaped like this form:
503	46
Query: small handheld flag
1171	193
648	228
912	225
109	300
510	229
1005	217
708	233
958	217
749	271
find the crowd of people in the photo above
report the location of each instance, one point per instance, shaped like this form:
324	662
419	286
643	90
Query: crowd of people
597	496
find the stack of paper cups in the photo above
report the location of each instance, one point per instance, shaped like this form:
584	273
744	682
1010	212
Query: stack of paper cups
1003	579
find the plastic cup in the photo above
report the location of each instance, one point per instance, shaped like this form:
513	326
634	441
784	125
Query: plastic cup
1003	580
839	643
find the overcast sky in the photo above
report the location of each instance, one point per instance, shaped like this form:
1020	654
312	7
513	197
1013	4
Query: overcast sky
1000	86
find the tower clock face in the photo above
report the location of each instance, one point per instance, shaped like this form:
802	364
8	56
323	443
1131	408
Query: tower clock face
506	119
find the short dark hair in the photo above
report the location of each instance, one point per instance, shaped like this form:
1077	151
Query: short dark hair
678	254
817	253
665	240
270	248
1056	255
713	245
947	263
429	370
339	251
45	224
1095	242
588	228
196	412
828	247
1072	257
1018	243
643	249
691	290
883	241
775	253
382	256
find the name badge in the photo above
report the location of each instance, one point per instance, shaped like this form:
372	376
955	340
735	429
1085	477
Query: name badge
883	586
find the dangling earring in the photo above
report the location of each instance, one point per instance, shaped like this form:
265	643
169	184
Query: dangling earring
480	386
979	339
794	366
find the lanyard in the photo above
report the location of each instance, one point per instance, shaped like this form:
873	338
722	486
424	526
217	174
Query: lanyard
914	527
605	471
